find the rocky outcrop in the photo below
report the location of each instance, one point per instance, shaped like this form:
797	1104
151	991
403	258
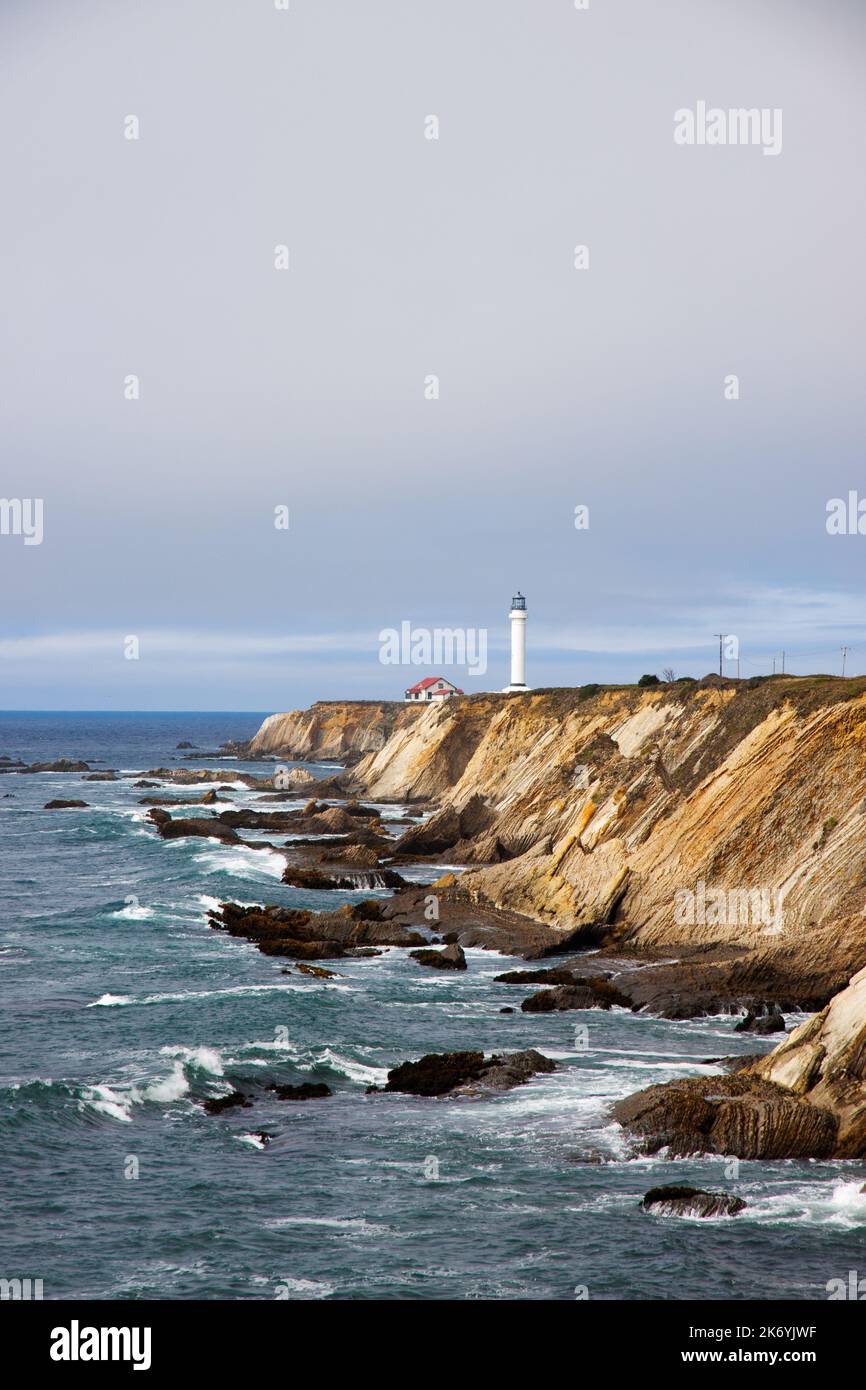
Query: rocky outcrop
676	1200
452	958
824	1063
443	1073
215	1105
770	1021
679	816
179	827
302	935
61	804
60	765
339	729
359	882
805	1099
307	1090
740	1115
582	992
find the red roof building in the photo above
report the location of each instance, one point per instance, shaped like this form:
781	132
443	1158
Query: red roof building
431	688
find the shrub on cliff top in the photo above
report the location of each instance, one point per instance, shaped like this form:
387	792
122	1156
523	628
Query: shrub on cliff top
648	679
587	691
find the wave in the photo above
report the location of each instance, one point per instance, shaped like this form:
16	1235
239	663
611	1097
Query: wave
134	912
243	863
344	1225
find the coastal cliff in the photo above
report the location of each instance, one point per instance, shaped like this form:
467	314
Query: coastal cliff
680	815
677	815
708	836
341	729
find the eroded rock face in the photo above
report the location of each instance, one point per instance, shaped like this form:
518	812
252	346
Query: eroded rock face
675	1200
442	1073
740	1115
329	729
594	813
824	1062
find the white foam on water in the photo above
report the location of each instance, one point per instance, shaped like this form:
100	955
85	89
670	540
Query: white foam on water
355	1071
813	1204
243	863
349	1225
254	1140
307	1288
134	914
170	1088
127	1000
108	1102
206	1059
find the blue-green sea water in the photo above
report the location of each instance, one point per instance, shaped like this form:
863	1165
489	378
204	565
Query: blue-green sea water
122	1010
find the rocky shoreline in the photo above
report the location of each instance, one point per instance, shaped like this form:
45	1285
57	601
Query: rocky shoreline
493	878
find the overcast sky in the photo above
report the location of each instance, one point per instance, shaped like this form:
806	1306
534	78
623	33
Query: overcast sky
411	257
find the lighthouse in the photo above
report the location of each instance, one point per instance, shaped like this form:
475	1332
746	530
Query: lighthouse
517	618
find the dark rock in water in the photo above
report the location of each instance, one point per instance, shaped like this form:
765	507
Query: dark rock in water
506	1011
740	1115
513	1068
584	993
315	878
100	777
184	744
62	765
308	1090
264	1136
439	1073
451	958
436	1073
61	805
144	783
179	827
318	971
217	1104
738	1062
209	798
303	935
675	1200
555	976
771	1022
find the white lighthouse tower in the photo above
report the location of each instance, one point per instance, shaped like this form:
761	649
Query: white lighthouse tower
517	618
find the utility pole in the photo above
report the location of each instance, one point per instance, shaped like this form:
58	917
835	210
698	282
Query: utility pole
783	663
721	637
845	651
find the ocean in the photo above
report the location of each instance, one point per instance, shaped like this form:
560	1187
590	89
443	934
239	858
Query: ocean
122	1011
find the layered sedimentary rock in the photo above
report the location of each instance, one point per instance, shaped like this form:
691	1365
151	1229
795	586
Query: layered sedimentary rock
328	729
678	816
805	1099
